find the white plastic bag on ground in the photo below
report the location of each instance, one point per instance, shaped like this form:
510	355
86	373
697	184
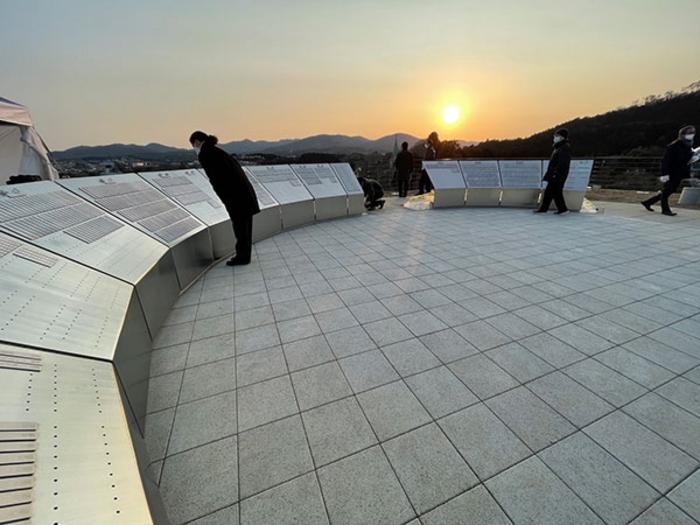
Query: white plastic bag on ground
420	202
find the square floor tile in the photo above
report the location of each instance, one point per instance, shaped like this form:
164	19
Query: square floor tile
482	376
264	402
168	359
200	481
576	403
453	314
356	296
554	351
211	349
368	370
474	506
392	409
307	352
296	501
482	335
370	311
203	421
448	345
519	362
337	430
652	458
320	384
272	454
485	442
287	310
686	495
257	338
540	317
410	357
440	391
213	326
337	319
531	493
581	339
366	477
613	491
428	466
422	323
530	418
683	393
387	331
661	354
349	341
605	382
206	380
636	368
254	317
157	433
663	511
296	329
512	326
258	366
163	391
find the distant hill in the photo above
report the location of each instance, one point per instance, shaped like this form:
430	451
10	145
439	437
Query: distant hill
339	144
643	129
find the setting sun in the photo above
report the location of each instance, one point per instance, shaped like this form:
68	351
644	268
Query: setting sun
450	114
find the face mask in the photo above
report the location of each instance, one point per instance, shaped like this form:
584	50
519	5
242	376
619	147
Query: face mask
196	149
690	137
558	139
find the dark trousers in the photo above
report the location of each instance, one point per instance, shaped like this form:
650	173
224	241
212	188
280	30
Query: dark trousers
669	189
243	229
403	184
424	184
554	192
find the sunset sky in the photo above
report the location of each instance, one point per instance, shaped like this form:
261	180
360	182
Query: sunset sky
103	71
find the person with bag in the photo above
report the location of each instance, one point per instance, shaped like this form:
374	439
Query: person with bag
675	167
557	172
233	188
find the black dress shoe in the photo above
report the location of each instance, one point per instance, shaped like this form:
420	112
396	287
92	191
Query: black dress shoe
236	262
669	213
647	206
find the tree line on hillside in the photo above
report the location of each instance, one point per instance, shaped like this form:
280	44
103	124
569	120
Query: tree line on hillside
643	129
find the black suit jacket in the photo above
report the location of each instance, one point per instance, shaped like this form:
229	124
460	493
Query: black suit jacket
675	162
559	163
229	181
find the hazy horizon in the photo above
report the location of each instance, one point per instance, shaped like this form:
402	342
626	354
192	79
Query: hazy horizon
139	72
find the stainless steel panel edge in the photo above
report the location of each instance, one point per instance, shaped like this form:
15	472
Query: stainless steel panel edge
297	214
356	204
192	257
520	198
449	198
222	238
157	291
267	223
132	360
331	207
483	197
85	469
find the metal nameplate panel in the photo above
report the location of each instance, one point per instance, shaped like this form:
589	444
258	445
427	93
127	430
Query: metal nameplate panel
481	173
191	190
521	174
136	202
445	174
265	199
281	182
320	180
347	178
579	175
64	306
48	215
84	468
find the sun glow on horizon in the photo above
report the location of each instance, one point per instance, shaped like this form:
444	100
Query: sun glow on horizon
451	114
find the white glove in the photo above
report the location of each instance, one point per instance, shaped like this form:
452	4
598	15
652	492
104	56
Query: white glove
664	178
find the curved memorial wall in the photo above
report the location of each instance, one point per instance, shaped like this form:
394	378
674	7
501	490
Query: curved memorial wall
89	269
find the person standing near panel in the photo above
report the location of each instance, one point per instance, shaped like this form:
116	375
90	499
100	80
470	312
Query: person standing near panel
557	172
431	147
404	166
675	167
233	188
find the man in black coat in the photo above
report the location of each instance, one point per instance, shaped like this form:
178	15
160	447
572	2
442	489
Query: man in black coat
404	166
425	185
373	193
675	167
233	188
557	172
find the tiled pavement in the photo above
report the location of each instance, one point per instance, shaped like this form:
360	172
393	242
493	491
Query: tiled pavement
451	366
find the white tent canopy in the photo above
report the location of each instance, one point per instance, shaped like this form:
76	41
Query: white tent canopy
22	151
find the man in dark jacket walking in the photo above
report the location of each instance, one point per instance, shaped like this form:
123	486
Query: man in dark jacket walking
233	188
557	172
675	167
404	166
